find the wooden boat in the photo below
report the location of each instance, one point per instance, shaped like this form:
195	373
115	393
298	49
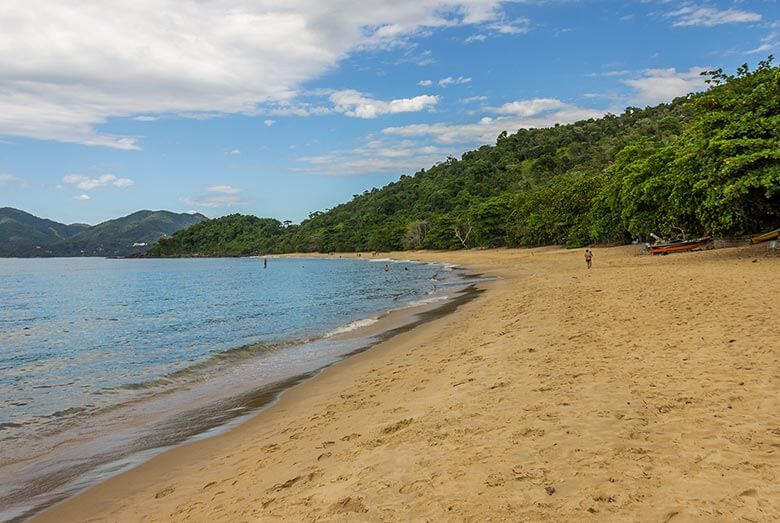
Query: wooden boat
772	235
677	246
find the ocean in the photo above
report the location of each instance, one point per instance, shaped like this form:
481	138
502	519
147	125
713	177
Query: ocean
105	362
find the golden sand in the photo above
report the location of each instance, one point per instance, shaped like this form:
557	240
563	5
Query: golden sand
644	389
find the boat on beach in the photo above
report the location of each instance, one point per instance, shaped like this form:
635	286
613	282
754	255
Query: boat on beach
678	246
771	235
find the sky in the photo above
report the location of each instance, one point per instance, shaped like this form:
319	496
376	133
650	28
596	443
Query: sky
282	108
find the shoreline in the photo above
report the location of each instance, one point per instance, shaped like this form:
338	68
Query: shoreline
641	389
355	339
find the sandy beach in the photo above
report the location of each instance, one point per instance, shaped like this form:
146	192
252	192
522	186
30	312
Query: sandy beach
644	389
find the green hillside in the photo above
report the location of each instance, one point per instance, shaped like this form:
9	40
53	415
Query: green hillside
118	237
22	234
707	163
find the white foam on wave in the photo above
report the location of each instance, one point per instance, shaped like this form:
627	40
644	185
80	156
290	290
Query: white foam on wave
427	301
349	327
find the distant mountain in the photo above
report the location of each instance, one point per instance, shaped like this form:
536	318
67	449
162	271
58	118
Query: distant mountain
22	234
25	235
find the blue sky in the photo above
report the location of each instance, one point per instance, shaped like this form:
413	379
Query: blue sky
284	108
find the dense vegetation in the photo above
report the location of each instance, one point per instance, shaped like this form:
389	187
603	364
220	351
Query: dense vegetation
706	163
22	234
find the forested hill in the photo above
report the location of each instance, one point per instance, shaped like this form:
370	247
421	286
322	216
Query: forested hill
25	235
705	163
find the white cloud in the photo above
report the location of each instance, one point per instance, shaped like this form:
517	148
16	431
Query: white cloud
425	83
218	196
373	157
486	129
356	104
517	26
472	99
223	189
269	122
768	43
501	26
285	108
7	178
85	183
444	82
663	85
235	152
693	15
82	197
529	107
123	183
60	60
622	72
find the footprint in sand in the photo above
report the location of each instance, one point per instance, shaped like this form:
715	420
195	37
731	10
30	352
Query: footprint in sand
164	492
495	480
398	425
348	504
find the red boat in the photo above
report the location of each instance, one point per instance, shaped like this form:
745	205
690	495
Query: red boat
677	246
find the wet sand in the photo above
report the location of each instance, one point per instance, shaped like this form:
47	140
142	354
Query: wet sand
645	389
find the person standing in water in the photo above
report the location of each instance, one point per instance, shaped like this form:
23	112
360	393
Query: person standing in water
387	267
588	257
265	263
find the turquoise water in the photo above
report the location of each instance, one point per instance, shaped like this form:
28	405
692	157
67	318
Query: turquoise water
110	352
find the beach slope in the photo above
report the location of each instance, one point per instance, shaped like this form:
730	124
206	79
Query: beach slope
644	389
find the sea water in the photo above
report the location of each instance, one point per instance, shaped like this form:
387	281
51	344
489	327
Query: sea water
103	361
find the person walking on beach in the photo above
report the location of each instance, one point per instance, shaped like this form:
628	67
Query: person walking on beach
588	257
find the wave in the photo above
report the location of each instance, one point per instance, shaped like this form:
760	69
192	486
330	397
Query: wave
352	326
213	362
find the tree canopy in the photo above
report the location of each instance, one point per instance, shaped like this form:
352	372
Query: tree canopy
706	163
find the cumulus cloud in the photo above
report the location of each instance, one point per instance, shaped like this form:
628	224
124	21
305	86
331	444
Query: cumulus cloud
235	152
694	15
218	196
522	114
356	104
529	107
7	178
374	157
663	85
85	183
425	83
444	82
269	123
60	60
81	197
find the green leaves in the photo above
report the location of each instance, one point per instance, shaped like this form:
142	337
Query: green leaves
706	163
